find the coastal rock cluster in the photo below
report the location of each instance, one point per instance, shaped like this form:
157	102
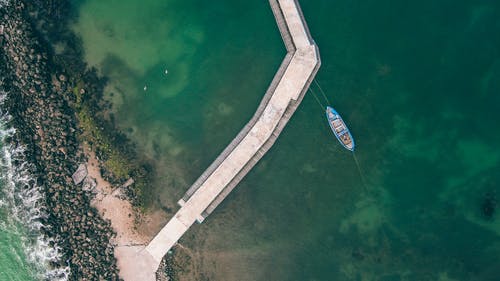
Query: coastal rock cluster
39	102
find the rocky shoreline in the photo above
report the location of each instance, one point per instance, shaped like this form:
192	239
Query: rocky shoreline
40	102
61	119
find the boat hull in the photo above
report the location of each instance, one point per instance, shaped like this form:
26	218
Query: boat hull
340	129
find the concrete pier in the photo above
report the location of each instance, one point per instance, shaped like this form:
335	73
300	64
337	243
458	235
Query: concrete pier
282	98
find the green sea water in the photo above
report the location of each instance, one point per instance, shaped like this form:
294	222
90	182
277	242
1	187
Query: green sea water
417	83
13	262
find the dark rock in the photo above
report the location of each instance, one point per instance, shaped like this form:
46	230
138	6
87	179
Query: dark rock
488	205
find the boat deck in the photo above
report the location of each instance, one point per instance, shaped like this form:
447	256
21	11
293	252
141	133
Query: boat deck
340	129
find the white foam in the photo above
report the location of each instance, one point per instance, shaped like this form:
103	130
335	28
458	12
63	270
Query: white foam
4	3
24	201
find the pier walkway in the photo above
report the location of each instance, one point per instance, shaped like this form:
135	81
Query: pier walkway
282	98
286	91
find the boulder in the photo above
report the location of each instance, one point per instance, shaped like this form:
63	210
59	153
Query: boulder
89	184
80	174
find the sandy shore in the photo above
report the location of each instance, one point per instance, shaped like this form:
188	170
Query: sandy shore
113	206
133	229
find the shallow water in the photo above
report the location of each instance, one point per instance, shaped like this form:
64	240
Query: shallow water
417	83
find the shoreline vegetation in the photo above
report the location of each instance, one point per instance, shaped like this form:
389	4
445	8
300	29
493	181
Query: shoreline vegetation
60	116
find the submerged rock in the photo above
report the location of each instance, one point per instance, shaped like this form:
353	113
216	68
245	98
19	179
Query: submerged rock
488	205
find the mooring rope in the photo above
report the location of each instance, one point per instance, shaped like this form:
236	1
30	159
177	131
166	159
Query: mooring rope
317	99
363	181
322	92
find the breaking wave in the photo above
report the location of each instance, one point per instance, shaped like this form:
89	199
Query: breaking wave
4	3
23	200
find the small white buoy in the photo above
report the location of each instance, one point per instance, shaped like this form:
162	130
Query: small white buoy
166	71
145	87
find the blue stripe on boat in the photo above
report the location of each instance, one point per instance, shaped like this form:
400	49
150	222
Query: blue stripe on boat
339	128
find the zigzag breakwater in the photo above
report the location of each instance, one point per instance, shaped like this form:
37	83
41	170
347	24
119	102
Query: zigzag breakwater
279	103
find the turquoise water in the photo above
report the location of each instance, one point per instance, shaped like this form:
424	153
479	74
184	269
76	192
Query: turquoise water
417	84
180	121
